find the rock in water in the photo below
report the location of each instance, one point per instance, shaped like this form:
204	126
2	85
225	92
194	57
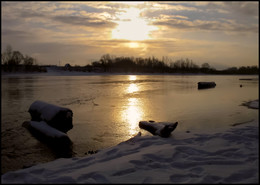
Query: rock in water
162	129
55	116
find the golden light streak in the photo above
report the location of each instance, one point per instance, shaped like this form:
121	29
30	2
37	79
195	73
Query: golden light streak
133	114
132	77
132	88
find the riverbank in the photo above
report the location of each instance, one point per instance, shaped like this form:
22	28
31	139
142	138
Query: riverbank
230	156
54	71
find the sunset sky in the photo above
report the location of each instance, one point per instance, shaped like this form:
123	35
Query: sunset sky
224	34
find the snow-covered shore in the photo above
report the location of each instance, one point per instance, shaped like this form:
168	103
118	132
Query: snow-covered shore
231	156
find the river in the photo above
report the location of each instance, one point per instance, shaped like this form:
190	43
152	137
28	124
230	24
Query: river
107	108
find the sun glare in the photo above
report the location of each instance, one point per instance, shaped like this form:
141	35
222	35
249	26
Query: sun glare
133	114
132	77
133	45
132	88
132	27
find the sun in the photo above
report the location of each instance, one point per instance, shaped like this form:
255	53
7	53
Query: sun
132	27
133	44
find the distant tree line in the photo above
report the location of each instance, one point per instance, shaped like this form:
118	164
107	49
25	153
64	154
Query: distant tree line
108	63
242	70
15	61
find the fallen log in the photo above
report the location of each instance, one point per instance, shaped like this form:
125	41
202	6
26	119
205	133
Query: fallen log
55	116
204	85
55	139
42	129
162	129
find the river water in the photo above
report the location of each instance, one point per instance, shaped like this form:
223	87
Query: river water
107	108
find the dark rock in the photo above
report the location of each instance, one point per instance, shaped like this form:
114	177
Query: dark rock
204	85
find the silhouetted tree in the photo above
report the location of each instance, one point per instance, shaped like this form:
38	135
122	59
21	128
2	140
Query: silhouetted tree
15	61
28	61
17	58
108	63
7	55
205	67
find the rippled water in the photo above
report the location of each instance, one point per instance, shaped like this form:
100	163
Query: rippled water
107	108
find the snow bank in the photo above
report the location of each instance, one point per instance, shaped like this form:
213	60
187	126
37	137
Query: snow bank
57	117
221	157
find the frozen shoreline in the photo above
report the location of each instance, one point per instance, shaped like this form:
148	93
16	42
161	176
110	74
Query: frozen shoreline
231	156
57	72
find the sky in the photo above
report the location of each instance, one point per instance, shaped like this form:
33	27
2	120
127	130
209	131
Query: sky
221	33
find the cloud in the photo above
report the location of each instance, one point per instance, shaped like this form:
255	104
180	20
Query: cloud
18	33
31	14
242	7
206	16
87	20
77	31
84	21
206	25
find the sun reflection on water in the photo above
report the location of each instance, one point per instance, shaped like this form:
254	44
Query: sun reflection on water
132	77
132	88
133	114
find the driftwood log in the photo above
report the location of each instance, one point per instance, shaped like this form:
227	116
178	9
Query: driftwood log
58	141
55	116
162	129
204	85
46	132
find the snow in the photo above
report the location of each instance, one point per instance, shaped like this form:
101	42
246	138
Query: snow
47	111
229	156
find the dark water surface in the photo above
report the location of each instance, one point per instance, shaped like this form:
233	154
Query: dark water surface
107	109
